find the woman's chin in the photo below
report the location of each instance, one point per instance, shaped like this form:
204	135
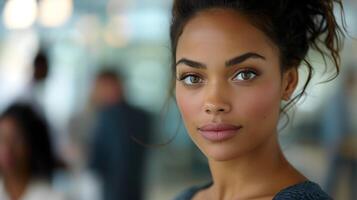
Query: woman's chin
221	154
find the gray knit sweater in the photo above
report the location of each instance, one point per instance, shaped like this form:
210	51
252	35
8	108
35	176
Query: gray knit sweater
306	190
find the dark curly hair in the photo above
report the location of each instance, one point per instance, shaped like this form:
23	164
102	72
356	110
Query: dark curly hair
293	26
35	131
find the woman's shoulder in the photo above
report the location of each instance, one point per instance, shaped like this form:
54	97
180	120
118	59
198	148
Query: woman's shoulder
188	193
306	190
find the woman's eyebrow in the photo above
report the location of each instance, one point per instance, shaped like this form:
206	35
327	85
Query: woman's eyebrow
242	58
231	62
191	63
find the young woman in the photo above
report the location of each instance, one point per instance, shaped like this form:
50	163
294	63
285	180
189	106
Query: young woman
236	62
26	158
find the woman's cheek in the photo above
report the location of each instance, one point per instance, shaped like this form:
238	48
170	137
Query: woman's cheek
188	105
261	105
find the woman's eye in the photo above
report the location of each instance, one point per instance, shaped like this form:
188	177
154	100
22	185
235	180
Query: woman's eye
191	80
245	75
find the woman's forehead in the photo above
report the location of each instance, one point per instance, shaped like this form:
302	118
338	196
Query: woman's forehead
218	32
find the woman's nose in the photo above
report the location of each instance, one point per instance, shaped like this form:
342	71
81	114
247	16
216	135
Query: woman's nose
214	108
216	101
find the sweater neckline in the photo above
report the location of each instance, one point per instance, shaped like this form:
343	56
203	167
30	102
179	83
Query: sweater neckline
196	189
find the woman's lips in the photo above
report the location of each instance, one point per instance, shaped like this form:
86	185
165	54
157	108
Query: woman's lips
218	132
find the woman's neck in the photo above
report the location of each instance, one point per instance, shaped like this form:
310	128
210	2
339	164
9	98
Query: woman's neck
263	171
16	184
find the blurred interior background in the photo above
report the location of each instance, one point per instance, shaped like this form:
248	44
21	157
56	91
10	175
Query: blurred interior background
80	38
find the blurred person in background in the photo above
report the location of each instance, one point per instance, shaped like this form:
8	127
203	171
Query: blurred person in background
40	70
27	162
340	134
105	91
115	153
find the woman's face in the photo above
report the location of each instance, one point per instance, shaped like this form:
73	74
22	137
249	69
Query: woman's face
13	149
229	84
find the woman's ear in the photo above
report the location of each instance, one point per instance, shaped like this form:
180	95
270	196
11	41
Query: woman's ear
290	81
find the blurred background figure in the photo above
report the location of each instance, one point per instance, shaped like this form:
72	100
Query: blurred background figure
40	70
27	162
340	131
106	90
116	154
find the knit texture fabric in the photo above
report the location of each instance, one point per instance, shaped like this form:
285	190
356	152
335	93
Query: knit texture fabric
307	190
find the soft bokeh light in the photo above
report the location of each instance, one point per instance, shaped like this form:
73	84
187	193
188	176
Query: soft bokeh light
115	6
19	14
89	28
54	13
118	31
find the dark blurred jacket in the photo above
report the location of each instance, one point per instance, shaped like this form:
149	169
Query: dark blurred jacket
115	156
